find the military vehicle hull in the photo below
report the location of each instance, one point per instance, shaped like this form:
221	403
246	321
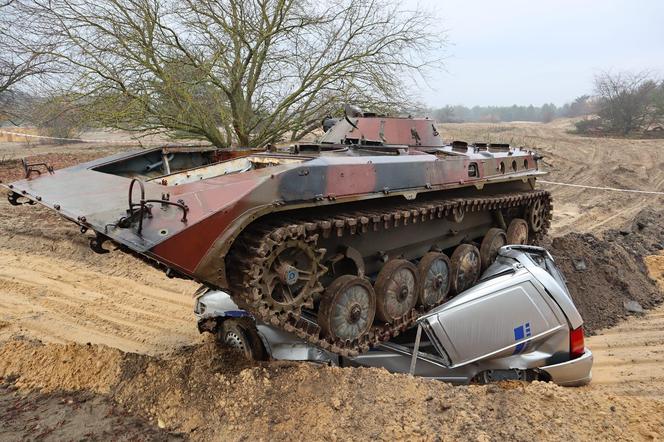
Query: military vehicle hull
310	230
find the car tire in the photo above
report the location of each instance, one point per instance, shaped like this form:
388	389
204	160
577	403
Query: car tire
242	335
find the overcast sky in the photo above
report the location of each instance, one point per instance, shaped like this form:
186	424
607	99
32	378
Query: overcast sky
506	52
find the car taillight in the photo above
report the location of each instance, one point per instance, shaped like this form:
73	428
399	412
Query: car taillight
576	344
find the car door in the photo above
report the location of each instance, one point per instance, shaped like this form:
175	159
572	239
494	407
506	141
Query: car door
504	316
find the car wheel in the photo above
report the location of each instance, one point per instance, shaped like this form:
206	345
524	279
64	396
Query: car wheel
243	336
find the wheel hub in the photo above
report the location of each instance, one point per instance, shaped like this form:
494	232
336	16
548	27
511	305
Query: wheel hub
438	282
288	274
234	341
403	293
355	314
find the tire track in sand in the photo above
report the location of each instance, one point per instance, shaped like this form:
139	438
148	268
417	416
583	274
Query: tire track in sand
59	300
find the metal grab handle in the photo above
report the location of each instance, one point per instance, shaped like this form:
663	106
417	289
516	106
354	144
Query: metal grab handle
141	205
131	191
28	168
179	204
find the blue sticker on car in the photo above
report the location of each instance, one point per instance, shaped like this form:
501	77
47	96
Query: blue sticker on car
235	313
520	332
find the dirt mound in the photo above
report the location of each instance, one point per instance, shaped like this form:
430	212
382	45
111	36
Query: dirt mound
643	236
69	367
605	273
211	395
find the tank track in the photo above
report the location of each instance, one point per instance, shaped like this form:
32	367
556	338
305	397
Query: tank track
255	244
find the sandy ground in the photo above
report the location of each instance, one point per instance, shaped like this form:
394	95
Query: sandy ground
70	416
59	300
148	359
629	358
53	287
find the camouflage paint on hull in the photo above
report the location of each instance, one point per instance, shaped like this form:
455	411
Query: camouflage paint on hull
220	207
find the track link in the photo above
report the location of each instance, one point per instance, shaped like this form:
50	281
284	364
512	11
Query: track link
255	244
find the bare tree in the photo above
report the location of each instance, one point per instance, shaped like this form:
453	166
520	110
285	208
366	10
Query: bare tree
250	72
626	101
21	56
658	107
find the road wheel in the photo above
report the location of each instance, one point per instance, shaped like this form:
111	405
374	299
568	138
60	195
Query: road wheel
396	290
434	273
242	335
466	268
494	239
517	232
347	308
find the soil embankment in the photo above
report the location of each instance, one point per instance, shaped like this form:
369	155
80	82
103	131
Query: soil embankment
208	395
606	273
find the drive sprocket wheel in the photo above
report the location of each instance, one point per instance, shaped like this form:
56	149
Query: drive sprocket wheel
347	308
396	290
434	273
494	239
466	268
517	232
536	215
288	277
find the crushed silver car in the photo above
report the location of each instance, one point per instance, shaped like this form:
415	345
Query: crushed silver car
518	322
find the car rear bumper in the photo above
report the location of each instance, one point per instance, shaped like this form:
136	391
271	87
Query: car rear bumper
572	373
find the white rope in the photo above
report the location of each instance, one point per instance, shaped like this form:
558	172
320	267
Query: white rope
78	140
612	189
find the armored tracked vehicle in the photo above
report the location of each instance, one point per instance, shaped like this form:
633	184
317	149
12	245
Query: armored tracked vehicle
344	242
